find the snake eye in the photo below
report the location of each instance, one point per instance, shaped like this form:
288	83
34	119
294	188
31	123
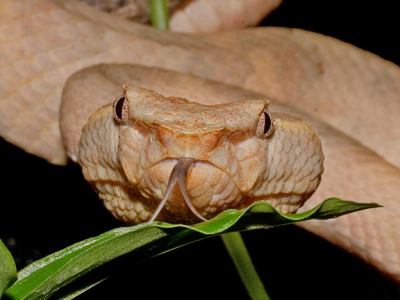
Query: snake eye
265	125
120	109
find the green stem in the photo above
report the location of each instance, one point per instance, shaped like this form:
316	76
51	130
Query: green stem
236	248
159	15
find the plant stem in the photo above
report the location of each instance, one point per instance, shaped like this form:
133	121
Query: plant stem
159	15
237	250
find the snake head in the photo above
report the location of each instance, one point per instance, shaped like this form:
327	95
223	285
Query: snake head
196	160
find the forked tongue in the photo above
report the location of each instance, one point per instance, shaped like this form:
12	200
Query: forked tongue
178	176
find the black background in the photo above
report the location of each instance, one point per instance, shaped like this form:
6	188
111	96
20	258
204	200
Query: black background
48	207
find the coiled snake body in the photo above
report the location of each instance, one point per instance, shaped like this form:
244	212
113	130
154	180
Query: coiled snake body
350	97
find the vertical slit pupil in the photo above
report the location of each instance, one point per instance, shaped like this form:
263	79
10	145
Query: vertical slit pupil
267	123
119	107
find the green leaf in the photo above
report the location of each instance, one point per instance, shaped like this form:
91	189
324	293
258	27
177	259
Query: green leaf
44	277
79	291
8	271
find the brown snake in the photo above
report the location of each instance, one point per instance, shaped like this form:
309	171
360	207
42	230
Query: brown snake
138	150
291	67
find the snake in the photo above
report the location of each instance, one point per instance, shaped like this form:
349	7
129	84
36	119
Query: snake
323	94
137	150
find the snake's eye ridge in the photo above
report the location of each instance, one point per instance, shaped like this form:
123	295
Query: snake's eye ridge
120	110
265	126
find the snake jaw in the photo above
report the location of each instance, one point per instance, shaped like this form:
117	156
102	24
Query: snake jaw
295	165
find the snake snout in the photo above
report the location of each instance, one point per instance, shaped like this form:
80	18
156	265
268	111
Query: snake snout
189	189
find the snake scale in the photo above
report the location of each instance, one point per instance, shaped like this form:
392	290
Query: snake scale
296	70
